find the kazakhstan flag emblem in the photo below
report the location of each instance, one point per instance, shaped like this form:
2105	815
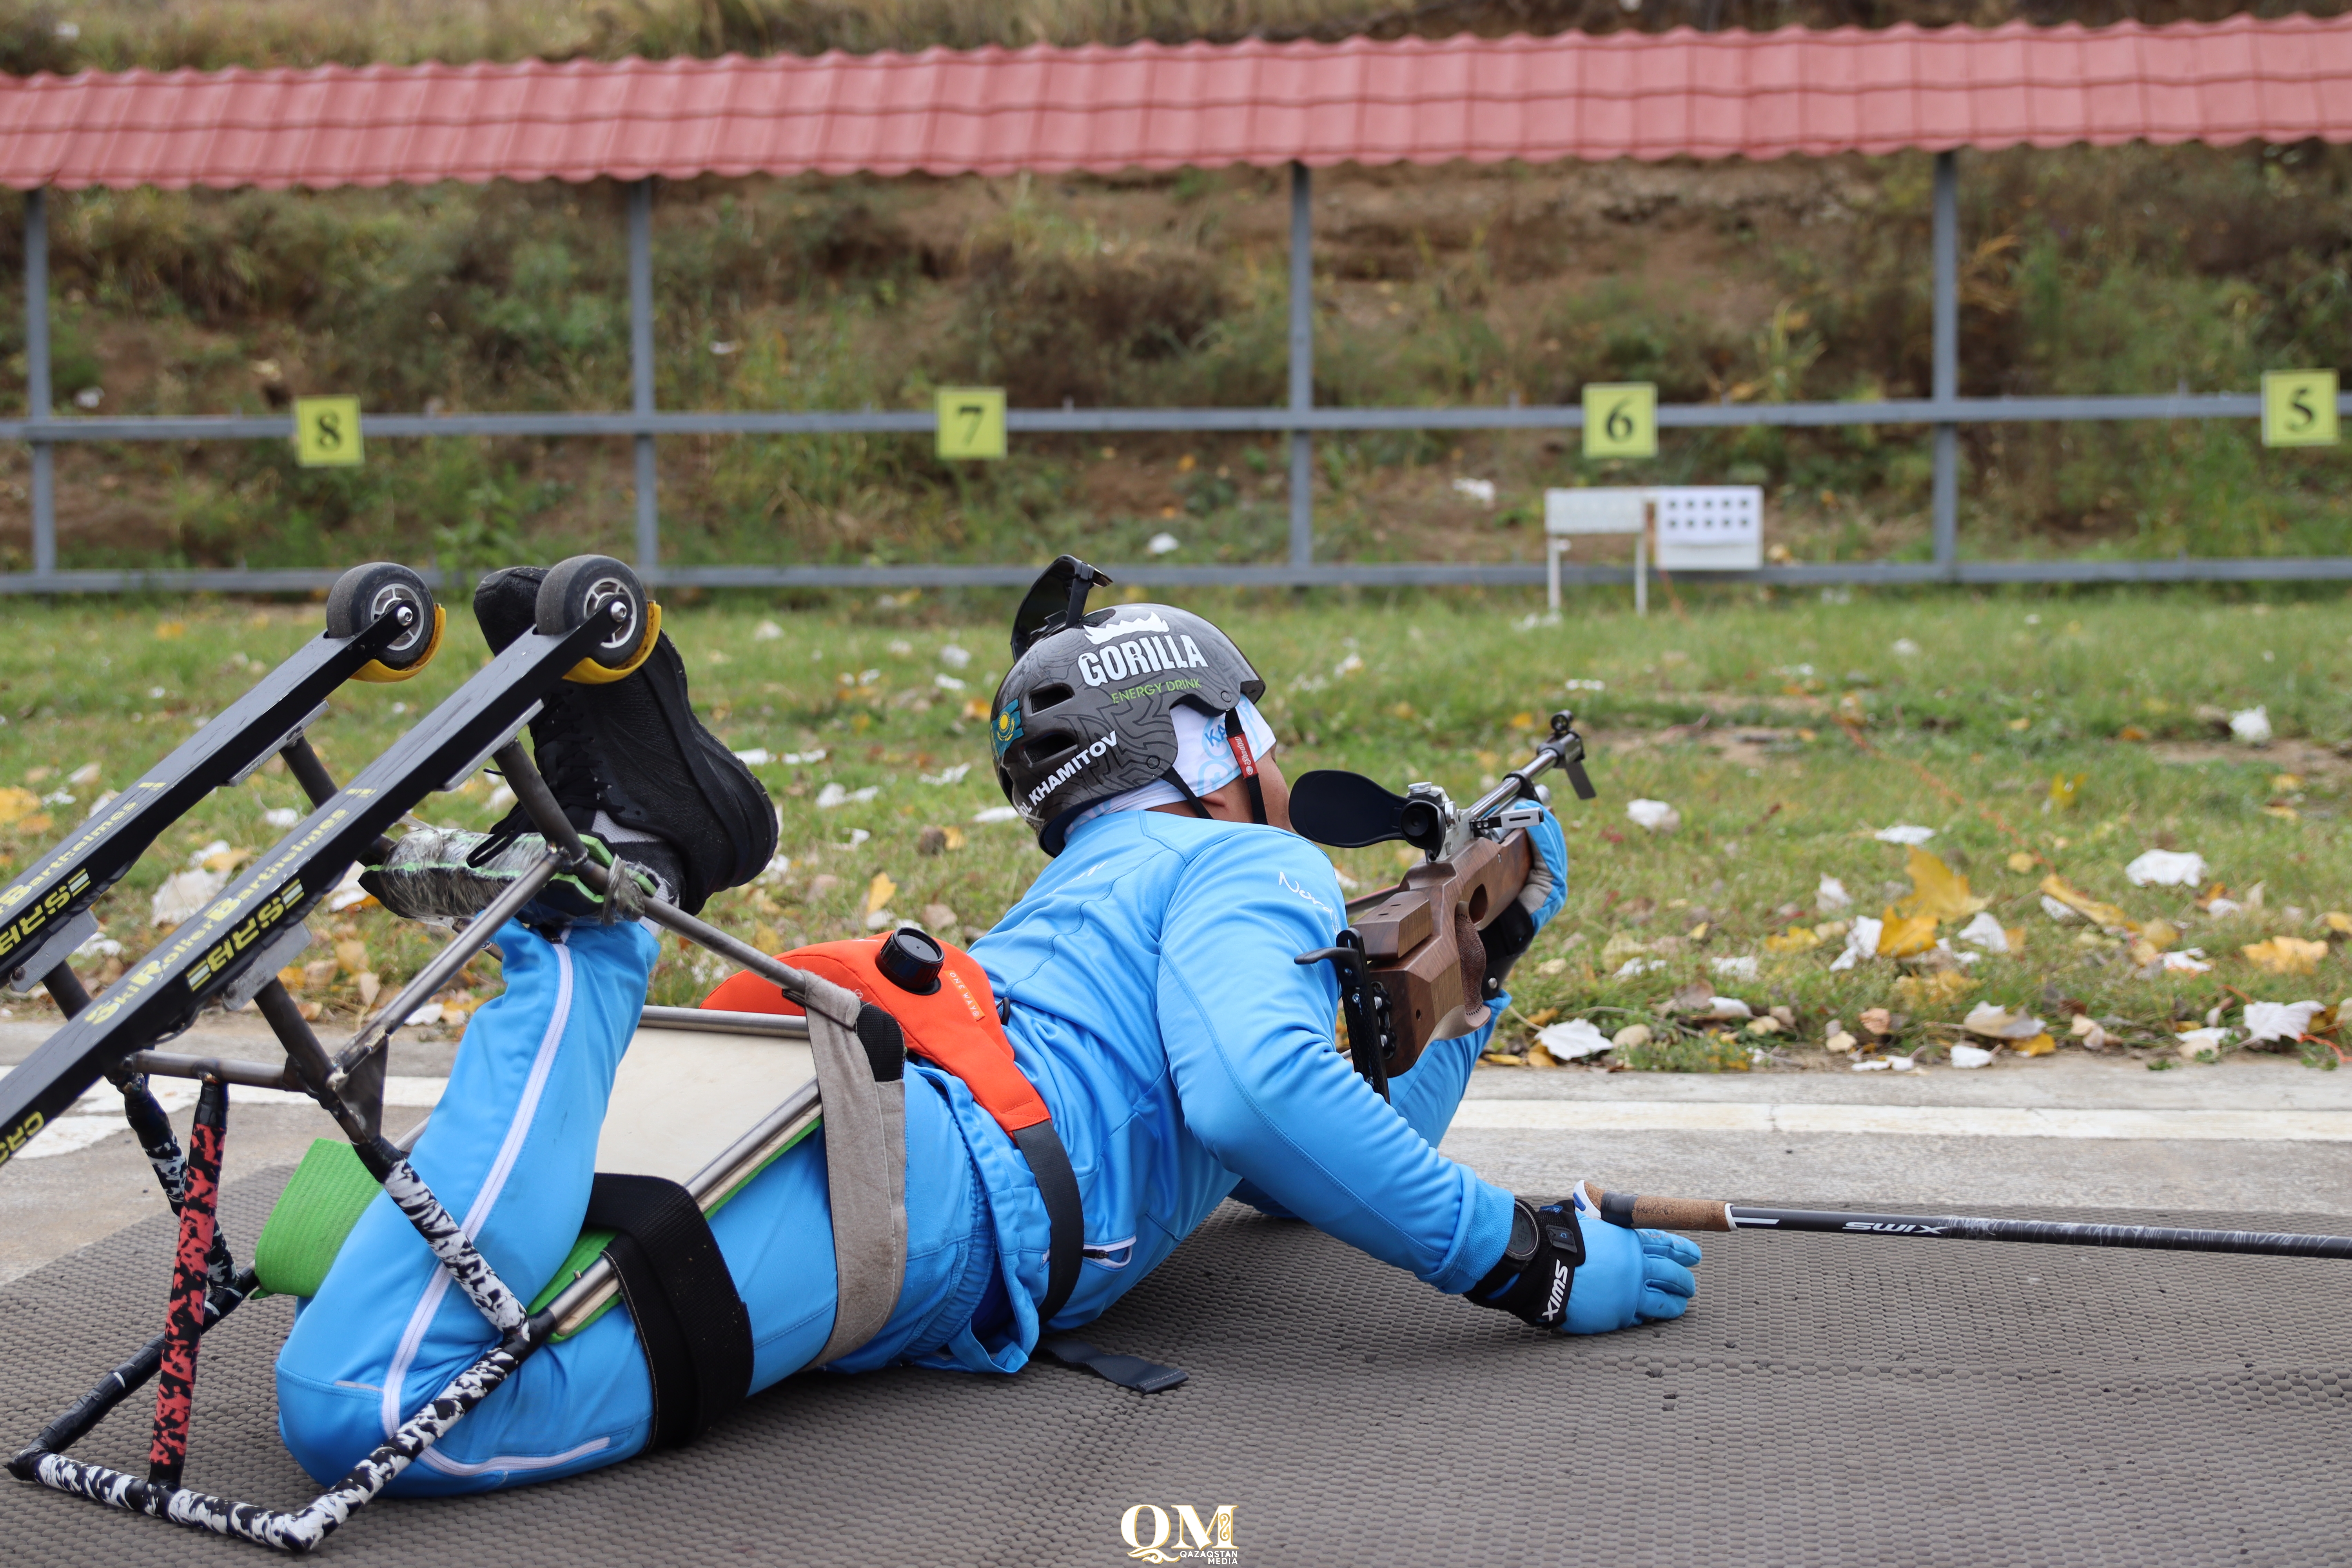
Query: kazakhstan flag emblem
1008	726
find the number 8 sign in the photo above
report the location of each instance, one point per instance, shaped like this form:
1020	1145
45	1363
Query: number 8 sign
2298	408
971	421
1621	419
327	433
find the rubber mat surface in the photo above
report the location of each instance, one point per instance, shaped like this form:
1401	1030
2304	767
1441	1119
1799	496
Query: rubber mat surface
1827	1401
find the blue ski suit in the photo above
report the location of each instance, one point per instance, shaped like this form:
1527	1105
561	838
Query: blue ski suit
1154	1003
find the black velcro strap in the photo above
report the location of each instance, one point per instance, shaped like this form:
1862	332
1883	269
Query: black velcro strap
1127	1370
696	1333
1066	1235
885	1043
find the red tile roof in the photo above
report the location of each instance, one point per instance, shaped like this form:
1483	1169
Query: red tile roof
993	111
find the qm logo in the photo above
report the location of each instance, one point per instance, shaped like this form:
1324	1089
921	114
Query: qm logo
1151	1536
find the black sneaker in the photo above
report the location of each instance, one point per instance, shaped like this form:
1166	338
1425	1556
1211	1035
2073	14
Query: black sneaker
631	763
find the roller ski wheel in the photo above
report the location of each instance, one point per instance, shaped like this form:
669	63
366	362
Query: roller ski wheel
599	589
364	595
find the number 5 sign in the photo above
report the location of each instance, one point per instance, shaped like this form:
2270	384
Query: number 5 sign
327	432
1621	419
971	421
2298	408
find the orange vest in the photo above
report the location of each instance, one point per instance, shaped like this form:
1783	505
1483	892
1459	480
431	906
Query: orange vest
954	1027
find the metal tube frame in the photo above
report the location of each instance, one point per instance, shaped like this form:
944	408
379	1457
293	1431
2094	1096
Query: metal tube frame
1298	418
1302	363
1946	490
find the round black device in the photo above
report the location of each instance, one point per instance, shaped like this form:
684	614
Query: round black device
911	960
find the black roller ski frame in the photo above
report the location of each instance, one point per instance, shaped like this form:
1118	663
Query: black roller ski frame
382	613
159	995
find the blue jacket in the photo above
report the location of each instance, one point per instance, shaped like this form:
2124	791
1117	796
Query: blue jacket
1156	1007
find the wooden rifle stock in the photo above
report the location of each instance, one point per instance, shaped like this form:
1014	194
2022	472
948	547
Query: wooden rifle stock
1422	943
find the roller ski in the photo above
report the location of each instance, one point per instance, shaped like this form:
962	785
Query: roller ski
382	625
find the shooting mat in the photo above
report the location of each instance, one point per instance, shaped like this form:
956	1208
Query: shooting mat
1827	1401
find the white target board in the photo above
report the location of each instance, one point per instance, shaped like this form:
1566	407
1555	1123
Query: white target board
1601	509
1710	528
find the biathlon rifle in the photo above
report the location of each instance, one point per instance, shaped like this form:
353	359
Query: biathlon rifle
1412	962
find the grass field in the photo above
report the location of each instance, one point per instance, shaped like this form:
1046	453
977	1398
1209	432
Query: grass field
1785	735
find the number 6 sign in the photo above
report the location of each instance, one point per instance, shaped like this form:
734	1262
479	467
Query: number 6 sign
2298	408
1621	419
971	421
327	433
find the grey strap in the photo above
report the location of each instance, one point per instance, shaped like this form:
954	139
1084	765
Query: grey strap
860	1075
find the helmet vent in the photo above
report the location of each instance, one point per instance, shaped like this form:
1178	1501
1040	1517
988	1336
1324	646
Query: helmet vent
1052	696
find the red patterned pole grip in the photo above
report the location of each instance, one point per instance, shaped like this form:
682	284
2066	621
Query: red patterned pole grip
176	1381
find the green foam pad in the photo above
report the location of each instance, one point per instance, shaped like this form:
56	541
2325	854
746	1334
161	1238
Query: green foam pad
329	1190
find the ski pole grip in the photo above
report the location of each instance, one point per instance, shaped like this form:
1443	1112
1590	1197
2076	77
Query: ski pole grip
1644	1213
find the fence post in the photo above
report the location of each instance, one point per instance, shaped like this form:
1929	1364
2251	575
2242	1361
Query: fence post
1947	308
641	367
1302	362
36	378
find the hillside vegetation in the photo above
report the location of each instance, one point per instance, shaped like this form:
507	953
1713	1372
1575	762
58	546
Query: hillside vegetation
2131	270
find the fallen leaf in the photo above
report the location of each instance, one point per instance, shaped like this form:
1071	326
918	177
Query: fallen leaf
2039	1046
2086	1029
2055	887
1573	1040
2131	733
1930	989
2064	789
2340	922
1632	1037
1697	932
1985	932
1899	936
1937	892
2167	868
2159	934
1995	1022
975	707
352	953
1503	1059
2018	860
1877	1021
878	892
2280	1020
2285	954
16	804
1838	1044
1796	938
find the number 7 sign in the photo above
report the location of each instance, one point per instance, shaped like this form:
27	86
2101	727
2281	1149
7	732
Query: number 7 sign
971	421
1621	419
2298	408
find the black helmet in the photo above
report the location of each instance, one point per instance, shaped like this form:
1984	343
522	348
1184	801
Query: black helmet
1083	715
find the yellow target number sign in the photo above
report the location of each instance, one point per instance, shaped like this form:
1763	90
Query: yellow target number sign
1621	419
327	432
971	421
2298	408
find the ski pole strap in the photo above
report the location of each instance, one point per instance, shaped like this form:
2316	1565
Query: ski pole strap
861	1069
1127	1370
695	1332
1066	1219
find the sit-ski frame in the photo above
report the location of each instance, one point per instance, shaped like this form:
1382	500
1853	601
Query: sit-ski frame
349	1086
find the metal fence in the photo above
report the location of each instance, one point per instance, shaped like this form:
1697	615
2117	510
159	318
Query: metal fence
1944	412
